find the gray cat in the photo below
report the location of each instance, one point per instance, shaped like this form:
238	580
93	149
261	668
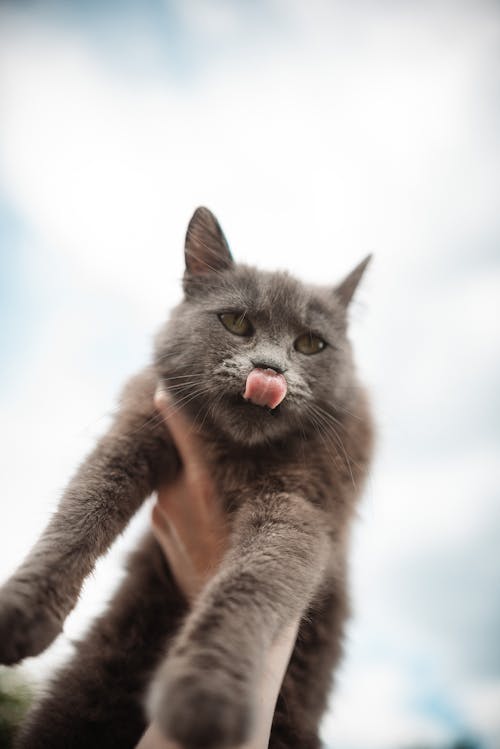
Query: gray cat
263	364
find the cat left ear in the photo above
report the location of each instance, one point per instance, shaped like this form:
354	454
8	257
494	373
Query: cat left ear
345	290
206	248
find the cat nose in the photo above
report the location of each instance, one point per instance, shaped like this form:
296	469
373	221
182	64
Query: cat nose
268	365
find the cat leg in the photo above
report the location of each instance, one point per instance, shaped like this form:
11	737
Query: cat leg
308	680
108	488
97	700
204	694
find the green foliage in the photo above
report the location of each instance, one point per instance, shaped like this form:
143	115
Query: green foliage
15	697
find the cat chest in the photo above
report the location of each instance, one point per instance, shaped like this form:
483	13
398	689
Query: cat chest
238	481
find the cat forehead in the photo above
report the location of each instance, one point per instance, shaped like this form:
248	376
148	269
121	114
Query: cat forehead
275	295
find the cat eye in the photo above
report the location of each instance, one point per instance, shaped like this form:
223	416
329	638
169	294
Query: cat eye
308	343
236	323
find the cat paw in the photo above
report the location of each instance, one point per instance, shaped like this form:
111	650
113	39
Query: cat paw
26	627
201	709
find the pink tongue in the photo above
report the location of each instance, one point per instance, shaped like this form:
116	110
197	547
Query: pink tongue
265	387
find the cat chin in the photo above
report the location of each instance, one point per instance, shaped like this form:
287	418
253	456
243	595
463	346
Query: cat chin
242	422
251	425
251	437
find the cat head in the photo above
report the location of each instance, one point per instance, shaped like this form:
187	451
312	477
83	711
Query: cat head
254	354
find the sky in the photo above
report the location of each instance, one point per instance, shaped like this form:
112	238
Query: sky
317	132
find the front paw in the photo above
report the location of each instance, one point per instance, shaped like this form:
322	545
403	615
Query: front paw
200	708
26	626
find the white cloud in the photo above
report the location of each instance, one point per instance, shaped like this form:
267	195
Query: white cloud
480	702
372	709
355	148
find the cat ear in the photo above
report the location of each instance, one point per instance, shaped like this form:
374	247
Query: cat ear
206	249
345	290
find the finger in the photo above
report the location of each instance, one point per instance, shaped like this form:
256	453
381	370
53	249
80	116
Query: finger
160	520
164	533
153	739
182	430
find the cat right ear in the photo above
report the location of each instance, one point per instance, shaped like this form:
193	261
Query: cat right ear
206	249
345	290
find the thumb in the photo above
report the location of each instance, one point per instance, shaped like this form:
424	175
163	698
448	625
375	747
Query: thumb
182	430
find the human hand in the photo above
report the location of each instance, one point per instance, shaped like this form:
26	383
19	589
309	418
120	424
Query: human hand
191	528
188	522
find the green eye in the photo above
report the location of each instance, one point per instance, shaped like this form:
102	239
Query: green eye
308	343
236	323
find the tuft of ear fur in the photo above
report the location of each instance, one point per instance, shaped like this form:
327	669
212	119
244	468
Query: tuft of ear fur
206	249
345	290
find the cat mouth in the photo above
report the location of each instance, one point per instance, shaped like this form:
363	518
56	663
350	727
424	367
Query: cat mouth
265	388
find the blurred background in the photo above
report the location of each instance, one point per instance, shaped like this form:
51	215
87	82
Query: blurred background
317	132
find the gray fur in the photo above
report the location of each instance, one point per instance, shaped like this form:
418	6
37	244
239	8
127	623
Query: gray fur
288	480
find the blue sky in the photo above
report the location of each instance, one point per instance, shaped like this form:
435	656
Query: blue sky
317	132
